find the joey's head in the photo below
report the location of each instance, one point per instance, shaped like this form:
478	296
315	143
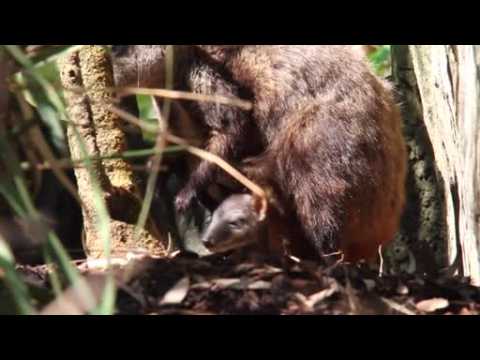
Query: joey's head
234	224
139	65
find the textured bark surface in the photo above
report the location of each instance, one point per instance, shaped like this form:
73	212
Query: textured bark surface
110	139
446	76
422	232
101	135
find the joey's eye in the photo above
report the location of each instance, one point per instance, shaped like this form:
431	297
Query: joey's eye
238	223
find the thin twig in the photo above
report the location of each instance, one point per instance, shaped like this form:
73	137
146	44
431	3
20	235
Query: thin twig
185	95
172	94
204	155
397	307
169	94
380	270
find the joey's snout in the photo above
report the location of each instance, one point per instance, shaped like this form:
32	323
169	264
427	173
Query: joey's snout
234	224
213	235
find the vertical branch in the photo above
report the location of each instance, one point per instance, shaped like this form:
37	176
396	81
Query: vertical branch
476	129
432	72
423	224
97	78
100	133
468	102
80	122
447	79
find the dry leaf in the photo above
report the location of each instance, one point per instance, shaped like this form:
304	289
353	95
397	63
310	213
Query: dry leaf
257	285
178	293
310	302
397	307
242	268
267	270
432	305
202	285
225	283
322	295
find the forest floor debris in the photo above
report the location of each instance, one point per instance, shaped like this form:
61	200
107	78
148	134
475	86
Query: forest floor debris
213	285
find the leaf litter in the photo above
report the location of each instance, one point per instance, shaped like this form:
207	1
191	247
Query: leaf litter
187	285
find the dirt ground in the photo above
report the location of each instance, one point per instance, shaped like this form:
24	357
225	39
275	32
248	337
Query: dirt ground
187	285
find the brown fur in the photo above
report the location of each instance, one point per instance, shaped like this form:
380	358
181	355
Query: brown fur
334	149
220	129
235	224
325	132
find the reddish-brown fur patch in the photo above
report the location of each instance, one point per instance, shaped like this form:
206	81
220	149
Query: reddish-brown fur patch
325	133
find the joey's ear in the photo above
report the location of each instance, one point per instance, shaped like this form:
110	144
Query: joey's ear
260	205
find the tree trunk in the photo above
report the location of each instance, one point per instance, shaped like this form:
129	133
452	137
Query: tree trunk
100	136
447	80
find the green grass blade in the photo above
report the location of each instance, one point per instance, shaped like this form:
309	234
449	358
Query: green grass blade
13	281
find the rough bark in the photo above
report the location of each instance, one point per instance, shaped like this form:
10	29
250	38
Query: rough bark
90	69
447	80
423	225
